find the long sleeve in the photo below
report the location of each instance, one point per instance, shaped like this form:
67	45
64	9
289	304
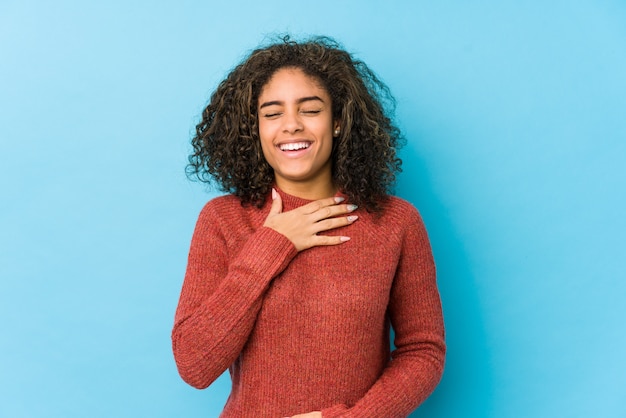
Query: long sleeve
416	317
222	294
309	331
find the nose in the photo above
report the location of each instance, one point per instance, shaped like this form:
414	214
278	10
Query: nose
292	122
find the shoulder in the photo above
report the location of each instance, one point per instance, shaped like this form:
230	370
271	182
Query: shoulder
404	219
397	226
221	204
408	225
399	211
227	212
219	209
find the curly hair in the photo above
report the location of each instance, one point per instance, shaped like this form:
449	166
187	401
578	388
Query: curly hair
226	145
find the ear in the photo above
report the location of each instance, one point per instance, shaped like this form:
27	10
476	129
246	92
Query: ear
336	128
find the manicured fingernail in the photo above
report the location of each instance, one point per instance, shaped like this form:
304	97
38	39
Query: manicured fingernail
274	194
352	218
352	207
344	239
339	199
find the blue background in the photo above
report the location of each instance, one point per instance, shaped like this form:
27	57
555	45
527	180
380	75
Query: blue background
514	114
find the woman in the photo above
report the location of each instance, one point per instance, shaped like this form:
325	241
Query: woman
295	277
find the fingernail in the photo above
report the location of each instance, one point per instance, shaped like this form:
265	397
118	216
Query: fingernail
352	207
339	199
352	218
344	239
274	194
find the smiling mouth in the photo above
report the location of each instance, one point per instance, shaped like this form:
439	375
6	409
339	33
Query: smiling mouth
294	146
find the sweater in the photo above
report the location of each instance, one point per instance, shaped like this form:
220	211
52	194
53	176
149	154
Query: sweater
309	331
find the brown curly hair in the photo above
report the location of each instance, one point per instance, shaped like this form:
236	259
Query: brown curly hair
227	149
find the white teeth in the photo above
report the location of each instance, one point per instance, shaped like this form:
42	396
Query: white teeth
294	146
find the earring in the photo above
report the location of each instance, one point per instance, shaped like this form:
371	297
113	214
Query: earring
337	132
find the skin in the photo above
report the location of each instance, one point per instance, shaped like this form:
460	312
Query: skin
295	111
315	414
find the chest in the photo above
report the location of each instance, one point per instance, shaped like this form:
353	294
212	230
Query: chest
348	283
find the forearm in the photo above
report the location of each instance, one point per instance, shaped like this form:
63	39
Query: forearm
212	325
403	386
417	319
209	339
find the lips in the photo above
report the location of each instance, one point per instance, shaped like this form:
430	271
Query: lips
294	146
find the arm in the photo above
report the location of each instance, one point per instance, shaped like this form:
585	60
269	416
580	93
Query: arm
221	297
415	312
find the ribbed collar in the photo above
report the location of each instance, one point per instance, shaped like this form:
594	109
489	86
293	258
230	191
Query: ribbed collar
292	202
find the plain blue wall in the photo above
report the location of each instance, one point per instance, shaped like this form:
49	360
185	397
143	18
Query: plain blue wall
514	114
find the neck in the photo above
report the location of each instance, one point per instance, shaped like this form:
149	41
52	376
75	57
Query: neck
307	190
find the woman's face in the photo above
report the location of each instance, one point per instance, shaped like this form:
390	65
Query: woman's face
296	129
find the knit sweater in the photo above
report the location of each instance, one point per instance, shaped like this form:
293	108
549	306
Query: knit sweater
309	331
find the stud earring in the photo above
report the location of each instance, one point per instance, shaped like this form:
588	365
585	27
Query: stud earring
337	132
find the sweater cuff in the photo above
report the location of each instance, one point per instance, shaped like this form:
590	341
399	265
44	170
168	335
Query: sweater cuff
270	250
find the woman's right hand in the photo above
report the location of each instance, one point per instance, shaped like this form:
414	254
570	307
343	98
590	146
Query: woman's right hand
302	225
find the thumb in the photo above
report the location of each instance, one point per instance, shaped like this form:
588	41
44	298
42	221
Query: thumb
277	203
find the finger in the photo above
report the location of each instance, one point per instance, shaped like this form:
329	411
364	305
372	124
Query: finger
320	204
333	223
277	203
332	211
325	240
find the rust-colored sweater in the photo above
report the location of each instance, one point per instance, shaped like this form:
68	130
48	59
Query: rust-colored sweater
309	331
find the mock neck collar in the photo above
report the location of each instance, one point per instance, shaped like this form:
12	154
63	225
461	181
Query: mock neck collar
292	202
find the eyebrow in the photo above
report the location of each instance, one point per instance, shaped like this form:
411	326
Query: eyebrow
299	101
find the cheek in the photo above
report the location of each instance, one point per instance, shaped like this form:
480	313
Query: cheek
267	130
325	127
